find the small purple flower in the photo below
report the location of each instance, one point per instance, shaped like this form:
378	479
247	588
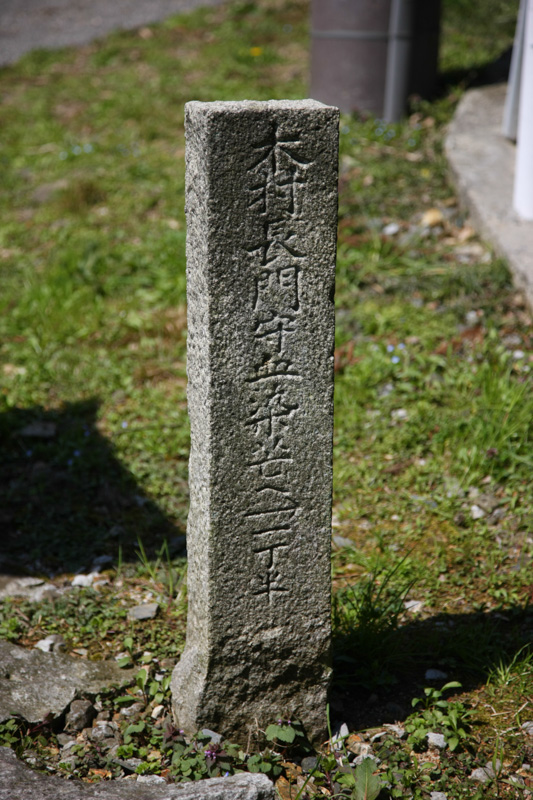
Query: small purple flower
124	424
395	359
76	454
401	346
29	453
390	348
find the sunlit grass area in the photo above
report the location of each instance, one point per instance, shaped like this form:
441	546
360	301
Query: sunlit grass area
432	536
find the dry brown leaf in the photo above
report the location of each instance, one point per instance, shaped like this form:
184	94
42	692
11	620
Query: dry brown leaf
465	233
100	773
432	217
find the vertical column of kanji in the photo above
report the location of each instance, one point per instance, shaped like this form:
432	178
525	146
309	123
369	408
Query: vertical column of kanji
265	431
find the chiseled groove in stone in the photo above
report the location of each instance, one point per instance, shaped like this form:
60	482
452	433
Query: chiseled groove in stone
261	213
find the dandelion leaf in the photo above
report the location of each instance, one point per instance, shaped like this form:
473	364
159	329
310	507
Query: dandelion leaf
367	785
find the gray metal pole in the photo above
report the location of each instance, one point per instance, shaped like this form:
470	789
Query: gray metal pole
398	59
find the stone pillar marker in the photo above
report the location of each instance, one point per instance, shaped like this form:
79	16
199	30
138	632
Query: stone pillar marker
261	201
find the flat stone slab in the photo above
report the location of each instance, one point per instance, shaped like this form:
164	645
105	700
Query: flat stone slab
19	782
34	684
482	162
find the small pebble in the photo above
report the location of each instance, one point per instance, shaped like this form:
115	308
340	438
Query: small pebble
157	711
399	413
435	675
52	644
413	606
66	741
360	749
339	736
491	769
476	512
512	340
385	390
132	711
453	488
150	779
397	730
216	738
84	580
359	759
497	515
391	229
438	796
309	763
341	541
436	740
80	715
145	611
132	763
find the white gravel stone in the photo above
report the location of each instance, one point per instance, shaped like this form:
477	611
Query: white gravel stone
391	229
436	740
476	512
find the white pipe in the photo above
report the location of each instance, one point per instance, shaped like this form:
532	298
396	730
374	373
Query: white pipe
523	184
512	98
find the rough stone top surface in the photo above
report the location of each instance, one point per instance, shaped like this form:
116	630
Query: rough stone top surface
235	106
19	782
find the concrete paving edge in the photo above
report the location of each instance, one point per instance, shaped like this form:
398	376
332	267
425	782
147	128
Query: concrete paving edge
482	163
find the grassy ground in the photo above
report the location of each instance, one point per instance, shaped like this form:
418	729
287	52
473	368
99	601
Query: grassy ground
433	444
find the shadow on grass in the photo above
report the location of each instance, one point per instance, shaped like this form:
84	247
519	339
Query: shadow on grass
484	74
377	675
65	499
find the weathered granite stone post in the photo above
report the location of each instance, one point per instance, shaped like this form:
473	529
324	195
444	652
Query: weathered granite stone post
261	215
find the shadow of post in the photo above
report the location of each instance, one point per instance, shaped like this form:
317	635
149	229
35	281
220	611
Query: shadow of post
377	674
65	499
